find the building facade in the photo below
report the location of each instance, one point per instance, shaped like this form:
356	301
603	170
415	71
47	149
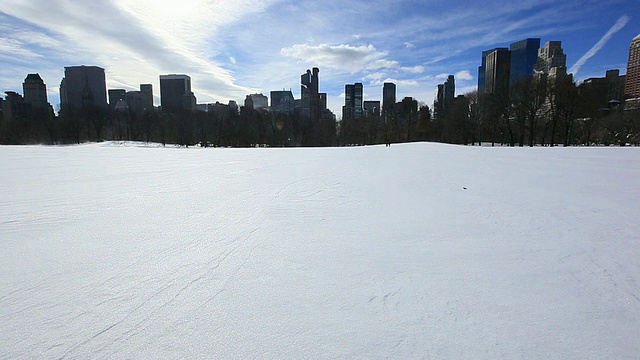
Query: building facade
388	98
549	57
35	91
83	87
604	90
498	64
115	95
147	94
632	81
256	101
282	101
524	56
353	101
309	89
371	108
175	93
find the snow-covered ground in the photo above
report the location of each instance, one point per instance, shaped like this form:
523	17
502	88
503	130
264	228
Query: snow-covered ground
413	251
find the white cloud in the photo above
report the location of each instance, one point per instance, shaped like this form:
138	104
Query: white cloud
418	69
400	82
408	45
463	75
345	57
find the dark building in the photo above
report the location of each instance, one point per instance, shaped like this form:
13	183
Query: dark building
482	69
35	92
524	55
632	82
282	101
115	95
322	103
83	87
309	89
449	89
604	90
256	101
388	98
14	107
136	102
371	108
352	108
445	93
147	94
175	93
438	102
498	63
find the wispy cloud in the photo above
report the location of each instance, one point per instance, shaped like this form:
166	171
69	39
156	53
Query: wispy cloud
622	21
343	56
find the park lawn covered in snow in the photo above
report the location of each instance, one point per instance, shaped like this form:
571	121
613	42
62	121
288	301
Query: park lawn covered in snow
413	251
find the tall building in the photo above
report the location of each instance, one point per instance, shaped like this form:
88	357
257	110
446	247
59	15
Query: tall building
175	93
550	56
482	69
524	55
35	91
388	98
83	87
632	82
115	95
282	101
352	101
438	102
309	89
449	89
147	94
498	62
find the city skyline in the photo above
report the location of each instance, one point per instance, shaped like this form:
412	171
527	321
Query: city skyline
414	46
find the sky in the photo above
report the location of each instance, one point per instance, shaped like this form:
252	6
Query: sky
234	48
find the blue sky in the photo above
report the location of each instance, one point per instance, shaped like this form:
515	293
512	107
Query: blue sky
233	48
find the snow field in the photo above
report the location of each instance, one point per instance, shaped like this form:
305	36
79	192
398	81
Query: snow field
110	251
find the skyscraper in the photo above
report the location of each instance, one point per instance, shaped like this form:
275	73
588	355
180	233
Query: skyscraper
175	93
498	62
550	56
309	88
35	91
388	98
632	82
352	101
147	94
524	55
449	89
445	93
83	87
482	69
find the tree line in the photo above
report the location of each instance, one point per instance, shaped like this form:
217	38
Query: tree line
531	113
